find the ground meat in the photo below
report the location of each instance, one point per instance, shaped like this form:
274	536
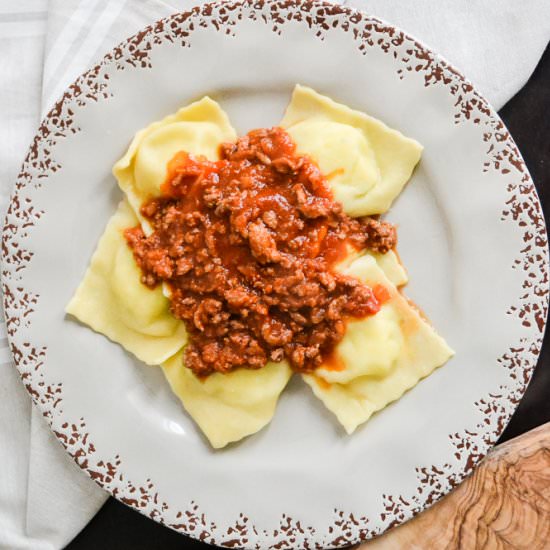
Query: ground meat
248	246
375	235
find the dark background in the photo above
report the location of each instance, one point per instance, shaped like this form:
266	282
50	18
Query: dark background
527	116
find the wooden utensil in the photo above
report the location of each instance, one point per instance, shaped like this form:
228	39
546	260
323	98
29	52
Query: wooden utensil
504	504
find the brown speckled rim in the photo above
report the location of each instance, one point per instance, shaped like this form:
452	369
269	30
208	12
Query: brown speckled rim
521	208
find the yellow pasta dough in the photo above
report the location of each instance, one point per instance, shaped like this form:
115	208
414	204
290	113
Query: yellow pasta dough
367	165
389	263
383	355
112	300
392	267
366	162
228	407
198	129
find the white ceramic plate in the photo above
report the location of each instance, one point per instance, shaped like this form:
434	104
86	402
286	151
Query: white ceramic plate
471	234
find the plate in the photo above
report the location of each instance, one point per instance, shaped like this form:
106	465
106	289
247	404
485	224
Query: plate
471	232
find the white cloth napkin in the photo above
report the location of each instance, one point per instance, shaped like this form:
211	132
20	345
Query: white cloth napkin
45	500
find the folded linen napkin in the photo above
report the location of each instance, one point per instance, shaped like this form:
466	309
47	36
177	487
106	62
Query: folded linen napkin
45	500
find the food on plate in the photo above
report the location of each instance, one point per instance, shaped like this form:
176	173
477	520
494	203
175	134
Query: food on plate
366	163
198	129
388	262
246	246
228	407
112	300
379	357
247	259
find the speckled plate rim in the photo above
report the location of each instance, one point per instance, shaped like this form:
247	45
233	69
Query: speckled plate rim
522	208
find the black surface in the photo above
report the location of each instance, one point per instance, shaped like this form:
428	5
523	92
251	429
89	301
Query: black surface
527	116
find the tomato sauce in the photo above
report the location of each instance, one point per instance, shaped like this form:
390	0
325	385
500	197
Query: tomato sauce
248	245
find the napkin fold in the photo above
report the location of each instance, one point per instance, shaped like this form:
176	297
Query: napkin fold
45	500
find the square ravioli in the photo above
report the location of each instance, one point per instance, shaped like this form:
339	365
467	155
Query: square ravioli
380	357
366	162
112	300
199	129
228	407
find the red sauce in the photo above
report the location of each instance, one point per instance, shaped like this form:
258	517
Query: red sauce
381	293
322	383
248	245
333	362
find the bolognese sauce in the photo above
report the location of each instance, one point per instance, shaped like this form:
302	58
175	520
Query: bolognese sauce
247	246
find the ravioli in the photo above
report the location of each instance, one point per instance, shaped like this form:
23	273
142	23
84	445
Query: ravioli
228	407
392	267
381	356
389	263
366	162
198	129
112	300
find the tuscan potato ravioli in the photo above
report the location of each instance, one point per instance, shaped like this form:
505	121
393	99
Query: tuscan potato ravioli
233	263
382	356
367	163
112	300
199	129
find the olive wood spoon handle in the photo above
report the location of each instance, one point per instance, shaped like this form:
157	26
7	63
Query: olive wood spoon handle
504	504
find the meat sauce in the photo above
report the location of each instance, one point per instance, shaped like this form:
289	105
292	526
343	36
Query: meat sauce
248	246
